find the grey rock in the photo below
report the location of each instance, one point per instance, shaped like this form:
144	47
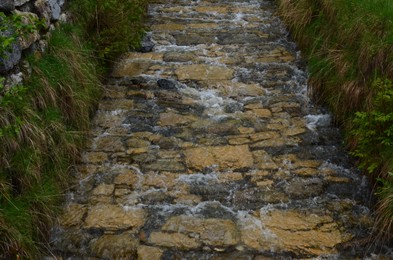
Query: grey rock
16	79
27	8
147	44
20	2
167	84
43	10
55	7
7	5
11	57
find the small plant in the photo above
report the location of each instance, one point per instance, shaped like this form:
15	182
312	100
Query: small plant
373	129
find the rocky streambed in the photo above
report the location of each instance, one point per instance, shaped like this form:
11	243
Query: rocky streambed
207	147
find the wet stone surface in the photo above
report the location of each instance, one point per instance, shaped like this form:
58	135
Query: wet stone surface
207	148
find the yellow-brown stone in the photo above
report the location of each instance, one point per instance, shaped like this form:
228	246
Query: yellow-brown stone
187	199
269	143
95	157
126	177
157	56
225	157
203	72
109	144
168	27
139	150
162	180
229	177
212	9
202	25
306	171
236	140
112	217
73	215
294	131
276	55
115	246
149	253
263	160
303	233
308	163
246	130
236	89
261	112
176	240
129	69
104	190
172	119
338	179
214	232
264	135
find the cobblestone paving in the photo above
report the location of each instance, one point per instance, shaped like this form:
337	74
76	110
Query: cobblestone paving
208	148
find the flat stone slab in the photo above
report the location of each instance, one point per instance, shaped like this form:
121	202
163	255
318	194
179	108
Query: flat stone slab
121	246
176	240
203	72
304	232
129	69
114	217
224	157
214	232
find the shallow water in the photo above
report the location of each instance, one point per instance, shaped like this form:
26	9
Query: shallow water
209	148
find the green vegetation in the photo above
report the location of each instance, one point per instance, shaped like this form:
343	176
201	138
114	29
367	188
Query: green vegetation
348	44
114	26
14	26
43	123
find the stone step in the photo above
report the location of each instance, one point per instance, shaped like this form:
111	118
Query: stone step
208	148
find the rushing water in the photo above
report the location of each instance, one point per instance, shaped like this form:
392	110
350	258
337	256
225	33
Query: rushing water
207	147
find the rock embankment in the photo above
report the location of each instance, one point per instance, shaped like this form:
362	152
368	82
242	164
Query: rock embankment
31	11
208	148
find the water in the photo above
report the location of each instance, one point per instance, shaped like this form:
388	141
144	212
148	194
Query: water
209	148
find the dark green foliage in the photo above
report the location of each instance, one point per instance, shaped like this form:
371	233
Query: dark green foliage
373	129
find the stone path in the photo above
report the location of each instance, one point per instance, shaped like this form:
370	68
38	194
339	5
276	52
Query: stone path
207	148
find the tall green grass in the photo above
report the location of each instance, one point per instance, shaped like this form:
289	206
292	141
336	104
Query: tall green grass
42	124
348	44
44	121
113	26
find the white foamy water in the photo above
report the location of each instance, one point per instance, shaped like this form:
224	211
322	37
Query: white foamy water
198	178
314	121
210	99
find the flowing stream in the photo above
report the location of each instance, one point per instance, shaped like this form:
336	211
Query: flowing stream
205	146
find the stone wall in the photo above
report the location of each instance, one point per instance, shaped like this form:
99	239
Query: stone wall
30	10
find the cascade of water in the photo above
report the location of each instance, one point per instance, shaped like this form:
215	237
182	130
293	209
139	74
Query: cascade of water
208	148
